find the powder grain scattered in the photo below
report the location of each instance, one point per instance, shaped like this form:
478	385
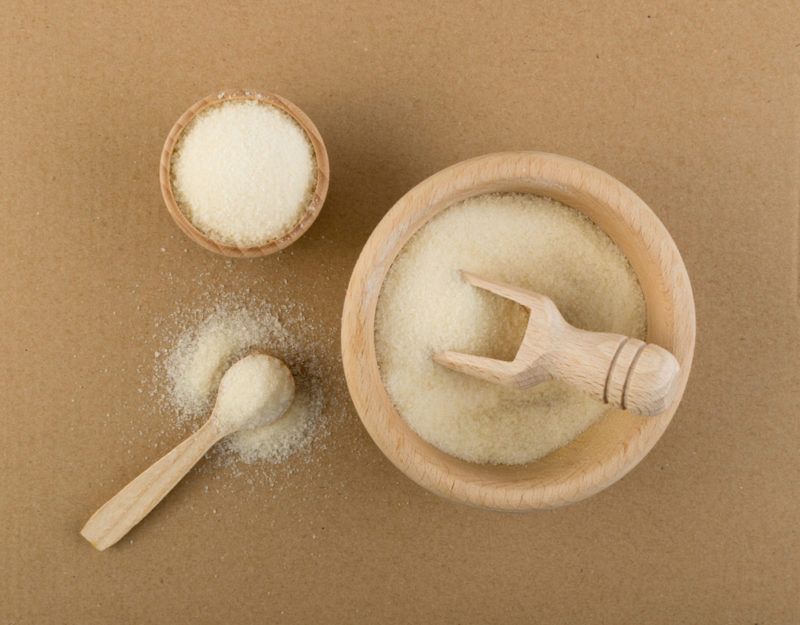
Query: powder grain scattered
210	344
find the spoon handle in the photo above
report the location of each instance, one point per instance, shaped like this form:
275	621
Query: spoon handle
621	371
130	505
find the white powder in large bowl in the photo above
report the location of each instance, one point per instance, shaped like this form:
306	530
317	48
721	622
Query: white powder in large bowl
243	173
425	307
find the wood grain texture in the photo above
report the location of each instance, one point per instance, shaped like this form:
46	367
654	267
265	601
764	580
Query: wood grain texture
317	196
613	445
135	501
617	370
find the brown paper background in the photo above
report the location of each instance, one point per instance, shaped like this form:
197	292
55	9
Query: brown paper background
693	104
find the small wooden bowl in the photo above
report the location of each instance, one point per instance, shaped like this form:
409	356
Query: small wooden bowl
317	197
609	448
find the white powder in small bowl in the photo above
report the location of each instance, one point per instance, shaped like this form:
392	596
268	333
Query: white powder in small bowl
254	392
243	172
425	307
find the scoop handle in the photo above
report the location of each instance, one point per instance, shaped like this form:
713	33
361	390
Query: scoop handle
130	505
621	371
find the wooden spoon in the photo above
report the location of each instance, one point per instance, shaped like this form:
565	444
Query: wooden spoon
616	369
261	405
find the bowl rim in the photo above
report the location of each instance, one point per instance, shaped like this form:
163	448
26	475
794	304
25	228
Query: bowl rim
516	488
322	171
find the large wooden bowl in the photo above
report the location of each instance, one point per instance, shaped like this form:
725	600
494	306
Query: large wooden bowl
317	195
609	448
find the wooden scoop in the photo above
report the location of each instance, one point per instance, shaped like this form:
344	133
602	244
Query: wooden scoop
130	505
618	370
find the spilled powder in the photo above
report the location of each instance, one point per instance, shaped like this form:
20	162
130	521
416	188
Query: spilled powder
144	418
211	341
426	307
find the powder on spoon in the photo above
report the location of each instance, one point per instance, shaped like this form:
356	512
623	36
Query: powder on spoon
210	344
425	307
243	172
254	392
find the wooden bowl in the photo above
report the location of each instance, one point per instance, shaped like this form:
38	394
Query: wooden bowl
317	196
609	448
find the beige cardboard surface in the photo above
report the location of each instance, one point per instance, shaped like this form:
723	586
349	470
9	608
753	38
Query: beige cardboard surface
692	104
